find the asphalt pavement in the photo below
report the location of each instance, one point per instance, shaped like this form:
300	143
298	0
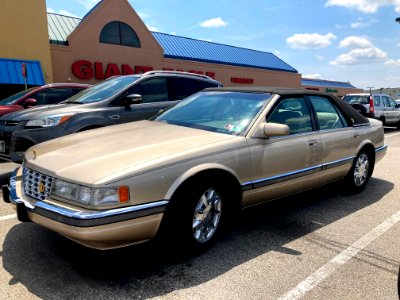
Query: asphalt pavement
321	244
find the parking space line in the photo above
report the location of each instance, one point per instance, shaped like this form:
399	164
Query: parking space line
393	134
342	258
4	218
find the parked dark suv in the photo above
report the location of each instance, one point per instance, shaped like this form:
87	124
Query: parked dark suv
117	100
40	95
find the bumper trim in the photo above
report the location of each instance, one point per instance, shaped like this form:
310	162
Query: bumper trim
81	218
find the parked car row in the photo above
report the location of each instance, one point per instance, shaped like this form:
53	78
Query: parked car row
117	100
186	173
378	106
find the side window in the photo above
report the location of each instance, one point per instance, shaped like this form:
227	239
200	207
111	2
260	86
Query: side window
328	116
52	96
180	88
76	90
294	113
152	90
377	100
391	102
385	101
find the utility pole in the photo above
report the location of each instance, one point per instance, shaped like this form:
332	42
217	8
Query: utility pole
370	88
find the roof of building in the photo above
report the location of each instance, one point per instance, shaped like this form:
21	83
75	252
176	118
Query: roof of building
60	27
325	83
183	48
11	72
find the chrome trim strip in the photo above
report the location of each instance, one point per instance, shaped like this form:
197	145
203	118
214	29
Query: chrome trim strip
294	174
80	215
381	148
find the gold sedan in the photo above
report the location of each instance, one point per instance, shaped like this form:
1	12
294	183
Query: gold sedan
189	170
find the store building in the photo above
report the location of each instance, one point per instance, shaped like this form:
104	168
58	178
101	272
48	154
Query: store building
337	88
112	40
24	46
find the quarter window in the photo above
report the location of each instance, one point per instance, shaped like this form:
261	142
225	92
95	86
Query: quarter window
328	116
119	33
294	113
184	87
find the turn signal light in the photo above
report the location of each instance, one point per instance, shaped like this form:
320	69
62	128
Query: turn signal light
123	192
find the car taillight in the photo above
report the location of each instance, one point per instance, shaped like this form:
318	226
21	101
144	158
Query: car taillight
371	105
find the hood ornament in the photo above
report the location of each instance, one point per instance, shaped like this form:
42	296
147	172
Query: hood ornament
34	153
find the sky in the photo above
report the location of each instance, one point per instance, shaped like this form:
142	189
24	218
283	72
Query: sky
342	40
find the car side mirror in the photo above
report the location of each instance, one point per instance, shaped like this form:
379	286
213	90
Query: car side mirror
29	102
132	99
268	130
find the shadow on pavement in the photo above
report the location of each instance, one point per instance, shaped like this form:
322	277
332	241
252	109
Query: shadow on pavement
52	267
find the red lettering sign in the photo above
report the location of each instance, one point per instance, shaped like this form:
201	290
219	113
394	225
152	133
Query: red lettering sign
127	70
242	80
312	89
82	69
98	71
86	70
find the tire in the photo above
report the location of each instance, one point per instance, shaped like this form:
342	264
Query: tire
196	215
360	173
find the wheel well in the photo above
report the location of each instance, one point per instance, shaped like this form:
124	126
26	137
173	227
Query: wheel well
229	181
89	128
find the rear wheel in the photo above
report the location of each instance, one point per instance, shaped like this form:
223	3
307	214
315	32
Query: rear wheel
360	172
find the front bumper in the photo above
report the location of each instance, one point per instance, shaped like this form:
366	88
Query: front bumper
96	229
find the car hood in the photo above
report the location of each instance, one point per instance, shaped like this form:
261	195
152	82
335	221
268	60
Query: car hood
45	111
108	154
6	109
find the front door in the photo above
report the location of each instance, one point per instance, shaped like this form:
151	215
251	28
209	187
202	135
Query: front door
284	165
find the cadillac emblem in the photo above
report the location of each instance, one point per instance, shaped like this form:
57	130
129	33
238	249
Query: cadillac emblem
41	187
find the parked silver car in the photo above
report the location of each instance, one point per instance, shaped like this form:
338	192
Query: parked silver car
377	106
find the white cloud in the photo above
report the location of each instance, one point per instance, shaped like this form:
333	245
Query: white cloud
62	12
88	4
392	62
398	44
152	28
360	56
313	76
355	42
365	6
310	40
213	23
319	57
277	52
173	33
359	25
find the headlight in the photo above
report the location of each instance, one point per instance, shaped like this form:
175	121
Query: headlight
49	121
90	196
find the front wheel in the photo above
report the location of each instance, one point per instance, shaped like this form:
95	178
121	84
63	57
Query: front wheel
196	215
360	173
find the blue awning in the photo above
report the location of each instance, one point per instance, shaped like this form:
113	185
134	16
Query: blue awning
11	72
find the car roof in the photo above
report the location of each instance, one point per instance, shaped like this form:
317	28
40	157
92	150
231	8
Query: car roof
355	116
71	85
269	90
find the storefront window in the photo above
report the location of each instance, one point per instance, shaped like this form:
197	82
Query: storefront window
118	33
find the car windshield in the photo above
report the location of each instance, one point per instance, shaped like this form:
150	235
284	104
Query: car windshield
102	90
357	99
14	98
224	112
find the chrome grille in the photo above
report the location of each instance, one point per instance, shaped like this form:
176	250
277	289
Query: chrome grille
36	185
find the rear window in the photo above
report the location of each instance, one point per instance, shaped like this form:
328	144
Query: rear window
356	99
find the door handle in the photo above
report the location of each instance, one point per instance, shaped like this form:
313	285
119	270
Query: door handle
114	117
312	144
